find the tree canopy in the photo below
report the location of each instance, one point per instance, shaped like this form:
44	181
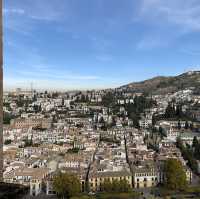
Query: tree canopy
66	185
189	154
135	109
175	176
116	186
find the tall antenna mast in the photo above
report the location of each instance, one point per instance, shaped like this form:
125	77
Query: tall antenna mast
31	88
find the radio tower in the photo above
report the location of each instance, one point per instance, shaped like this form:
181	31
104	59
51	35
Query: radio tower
32	88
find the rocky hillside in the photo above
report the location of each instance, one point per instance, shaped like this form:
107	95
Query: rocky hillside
161	84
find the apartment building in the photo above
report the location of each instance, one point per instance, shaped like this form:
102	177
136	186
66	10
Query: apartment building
25	175
97	179
21	123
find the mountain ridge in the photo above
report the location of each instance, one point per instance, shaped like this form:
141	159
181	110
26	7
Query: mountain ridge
165	84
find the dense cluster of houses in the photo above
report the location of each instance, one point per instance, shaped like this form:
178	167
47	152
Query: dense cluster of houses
51	132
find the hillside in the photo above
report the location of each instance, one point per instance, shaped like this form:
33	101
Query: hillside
162	85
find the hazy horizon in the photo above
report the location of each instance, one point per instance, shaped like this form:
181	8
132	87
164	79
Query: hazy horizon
76	45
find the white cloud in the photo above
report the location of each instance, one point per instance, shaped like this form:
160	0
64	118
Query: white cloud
39	10
44	72
17	11
190	52
49	84
184	14
166	21
23	16
44	77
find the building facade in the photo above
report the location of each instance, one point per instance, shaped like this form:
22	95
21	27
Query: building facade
21	123
96	180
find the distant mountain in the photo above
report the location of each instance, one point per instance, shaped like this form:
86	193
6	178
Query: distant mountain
162	84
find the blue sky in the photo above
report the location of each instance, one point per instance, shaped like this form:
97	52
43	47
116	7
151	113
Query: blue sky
84	44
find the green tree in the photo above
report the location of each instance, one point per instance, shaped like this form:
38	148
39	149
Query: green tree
108	99
153	120
179	111
83	197
124	186
116	186
107	186
135	109
7	118
175	176
101	120
161	132
113	123
28	142
66	185
195	142
188	155
186	125
7	142
170	111
55	95
197	151
135	118
191	126
179	124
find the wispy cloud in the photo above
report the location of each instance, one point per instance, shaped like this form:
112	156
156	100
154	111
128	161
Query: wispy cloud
23	16
184	14
166	21
45	77
39	10
18	11
190	52
43	72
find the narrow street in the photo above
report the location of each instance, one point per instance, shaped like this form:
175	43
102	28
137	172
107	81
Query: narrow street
126	149
90	164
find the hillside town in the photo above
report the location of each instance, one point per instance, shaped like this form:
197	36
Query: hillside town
99	135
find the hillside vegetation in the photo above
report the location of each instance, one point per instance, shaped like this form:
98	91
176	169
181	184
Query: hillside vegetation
162	85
